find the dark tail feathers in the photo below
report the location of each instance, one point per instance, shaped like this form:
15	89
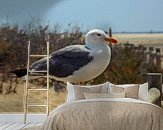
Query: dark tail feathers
20	72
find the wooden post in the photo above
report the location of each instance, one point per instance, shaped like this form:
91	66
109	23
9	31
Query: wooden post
155	80
47	96
26	86
110	35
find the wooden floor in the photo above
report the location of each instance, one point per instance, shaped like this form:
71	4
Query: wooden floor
16	121
17	126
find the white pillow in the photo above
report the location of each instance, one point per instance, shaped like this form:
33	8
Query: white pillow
125	85
104	95
143	92
71	91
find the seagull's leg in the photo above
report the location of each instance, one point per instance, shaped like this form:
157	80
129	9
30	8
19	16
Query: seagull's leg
82	83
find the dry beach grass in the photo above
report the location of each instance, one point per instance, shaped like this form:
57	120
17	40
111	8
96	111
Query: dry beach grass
14	102
152	39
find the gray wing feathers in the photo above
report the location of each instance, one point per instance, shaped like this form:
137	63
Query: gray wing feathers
65	61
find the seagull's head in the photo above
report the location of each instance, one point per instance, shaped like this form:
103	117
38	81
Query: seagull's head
97	36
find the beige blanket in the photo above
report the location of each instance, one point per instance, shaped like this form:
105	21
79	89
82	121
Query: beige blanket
106	114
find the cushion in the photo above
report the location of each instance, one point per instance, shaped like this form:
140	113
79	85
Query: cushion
125	85
104	95
70	92
153	95
143	92
131	91
79	91
76	92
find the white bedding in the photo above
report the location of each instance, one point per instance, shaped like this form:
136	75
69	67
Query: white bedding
127	100
106	114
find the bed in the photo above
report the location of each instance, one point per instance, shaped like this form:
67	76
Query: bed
106	107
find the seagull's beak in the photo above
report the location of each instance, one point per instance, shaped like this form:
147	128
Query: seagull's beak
111	40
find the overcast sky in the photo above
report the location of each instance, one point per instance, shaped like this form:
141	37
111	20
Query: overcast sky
23	10
121	15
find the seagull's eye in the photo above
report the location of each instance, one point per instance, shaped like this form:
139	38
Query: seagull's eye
98	34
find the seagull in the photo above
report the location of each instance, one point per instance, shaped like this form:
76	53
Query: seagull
77	63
